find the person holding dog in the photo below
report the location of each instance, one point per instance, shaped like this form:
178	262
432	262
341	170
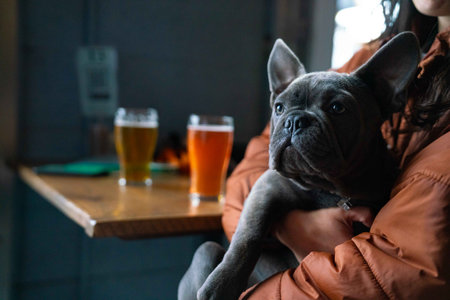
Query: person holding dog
405	254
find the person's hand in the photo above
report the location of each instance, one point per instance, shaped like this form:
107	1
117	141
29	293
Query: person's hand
319	230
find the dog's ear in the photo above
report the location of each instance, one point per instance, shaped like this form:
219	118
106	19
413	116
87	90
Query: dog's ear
389	72
283	67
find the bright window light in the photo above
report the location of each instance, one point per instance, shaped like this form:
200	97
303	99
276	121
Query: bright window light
357	22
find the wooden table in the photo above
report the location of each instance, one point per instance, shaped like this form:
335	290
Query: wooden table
105	209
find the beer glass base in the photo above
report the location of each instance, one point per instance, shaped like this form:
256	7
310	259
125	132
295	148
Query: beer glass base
197	198
124	182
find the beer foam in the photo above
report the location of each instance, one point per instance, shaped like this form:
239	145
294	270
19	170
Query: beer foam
218	128
144	124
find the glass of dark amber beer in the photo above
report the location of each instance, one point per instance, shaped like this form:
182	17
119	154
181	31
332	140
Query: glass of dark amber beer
209	140
135	134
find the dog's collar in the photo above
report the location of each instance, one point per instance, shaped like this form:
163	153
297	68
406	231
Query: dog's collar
345	204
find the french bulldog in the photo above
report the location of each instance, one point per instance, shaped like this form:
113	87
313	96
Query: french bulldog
326	148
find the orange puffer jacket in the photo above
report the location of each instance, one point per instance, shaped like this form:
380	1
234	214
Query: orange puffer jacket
406	254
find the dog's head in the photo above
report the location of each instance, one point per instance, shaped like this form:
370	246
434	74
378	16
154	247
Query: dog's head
325	124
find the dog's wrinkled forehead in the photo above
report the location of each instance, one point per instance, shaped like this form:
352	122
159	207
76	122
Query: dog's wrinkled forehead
314	89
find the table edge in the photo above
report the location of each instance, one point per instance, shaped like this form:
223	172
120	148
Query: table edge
58	200
106	228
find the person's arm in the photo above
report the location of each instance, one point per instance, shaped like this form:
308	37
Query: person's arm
253	165
405	255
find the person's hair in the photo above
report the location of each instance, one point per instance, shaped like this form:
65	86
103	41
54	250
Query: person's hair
402	15
432	93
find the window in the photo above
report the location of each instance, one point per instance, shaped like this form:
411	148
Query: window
356	22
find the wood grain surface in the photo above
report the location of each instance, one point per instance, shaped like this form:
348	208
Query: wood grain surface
105	209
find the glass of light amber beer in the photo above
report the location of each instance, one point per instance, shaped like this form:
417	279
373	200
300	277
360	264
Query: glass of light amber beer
135	134
209	140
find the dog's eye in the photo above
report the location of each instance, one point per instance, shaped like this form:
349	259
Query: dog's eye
337	108
279	108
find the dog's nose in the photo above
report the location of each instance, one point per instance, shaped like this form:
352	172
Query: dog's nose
296	123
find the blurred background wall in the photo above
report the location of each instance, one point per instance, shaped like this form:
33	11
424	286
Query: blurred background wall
178	56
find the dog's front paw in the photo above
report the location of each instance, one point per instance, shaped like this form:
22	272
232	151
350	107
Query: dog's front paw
220	287
208	293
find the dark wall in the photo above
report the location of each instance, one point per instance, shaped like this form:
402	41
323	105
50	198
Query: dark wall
8	78
50	117
8	135
179	57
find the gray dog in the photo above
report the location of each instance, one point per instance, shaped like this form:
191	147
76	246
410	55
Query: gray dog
326	149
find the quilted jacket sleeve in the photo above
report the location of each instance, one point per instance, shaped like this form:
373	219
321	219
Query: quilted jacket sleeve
254	164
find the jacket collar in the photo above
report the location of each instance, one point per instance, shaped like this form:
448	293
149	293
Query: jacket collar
439	48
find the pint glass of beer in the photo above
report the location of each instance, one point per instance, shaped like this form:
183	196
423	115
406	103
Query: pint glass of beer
135	133
209	140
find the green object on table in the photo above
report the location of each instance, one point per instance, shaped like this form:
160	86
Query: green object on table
82	168
93	168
